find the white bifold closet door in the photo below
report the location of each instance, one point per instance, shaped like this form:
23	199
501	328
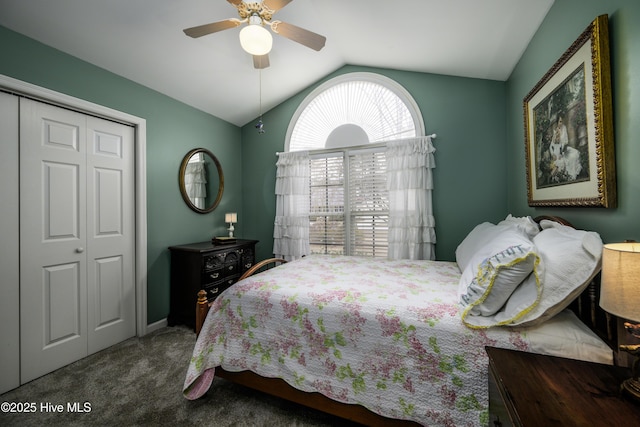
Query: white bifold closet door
9	244
77	236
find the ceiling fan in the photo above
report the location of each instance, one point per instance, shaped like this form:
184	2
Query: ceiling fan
257	15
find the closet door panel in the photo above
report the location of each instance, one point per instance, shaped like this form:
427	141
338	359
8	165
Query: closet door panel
53	265
10	242
110	230
108	198
61	294
61	201
109	291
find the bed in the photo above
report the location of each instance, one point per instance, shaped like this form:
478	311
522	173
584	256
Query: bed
402	342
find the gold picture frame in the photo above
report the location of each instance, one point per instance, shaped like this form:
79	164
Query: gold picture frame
568	123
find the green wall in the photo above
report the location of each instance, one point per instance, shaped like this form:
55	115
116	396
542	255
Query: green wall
468	115
564	23
173	128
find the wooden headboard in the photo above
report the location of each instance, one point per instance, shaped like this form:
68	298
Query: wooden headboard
587	307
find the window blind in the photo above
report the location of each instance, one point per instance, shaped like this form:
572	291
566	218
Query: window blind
349	203
368	204
327	205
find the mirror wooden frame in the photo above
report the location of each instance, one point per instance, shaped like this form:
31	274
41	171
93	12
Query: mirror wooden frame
183	189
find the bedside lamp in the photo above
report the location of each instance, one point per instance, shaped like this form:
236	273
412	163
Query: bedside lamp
620	296
231	218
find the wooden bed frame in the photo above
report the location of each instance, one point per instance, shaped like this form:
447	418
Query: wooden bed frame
586	307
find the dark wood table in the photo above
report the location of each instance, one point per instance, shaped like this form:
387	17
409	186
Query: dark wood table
527	389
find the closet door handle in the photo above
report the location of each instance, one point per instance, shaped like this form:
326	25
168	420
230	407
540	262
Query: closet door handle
79	250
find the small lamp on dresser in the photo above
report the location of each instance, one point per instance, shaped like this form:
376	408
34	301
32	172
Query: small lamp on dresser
231	218
620	296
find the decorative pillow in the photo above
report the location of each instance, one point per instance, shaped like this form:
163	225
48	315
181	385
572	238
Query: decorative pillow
482	233
501	282
572	258
475	240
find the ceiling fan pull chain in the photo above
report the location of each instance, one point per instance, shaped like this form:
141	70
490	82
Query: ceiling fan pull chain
260	125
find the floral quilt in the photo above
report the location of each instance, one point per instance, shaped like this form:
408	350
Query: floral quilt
383	334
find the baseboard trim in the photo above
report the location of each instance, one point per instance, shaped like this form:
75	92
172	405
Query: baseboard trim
156	325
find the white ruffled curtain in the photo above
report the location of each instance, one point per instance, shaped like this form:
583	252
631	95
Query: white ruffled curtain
291	227
410	184
195	183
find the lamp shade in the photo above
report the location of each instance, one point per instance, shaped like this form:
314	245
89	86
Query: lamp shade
620	286
231	217
255	39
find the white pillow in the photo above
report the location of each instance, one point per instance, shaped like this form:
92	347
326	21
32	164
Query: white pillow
566	336
572	258
523	223
506	262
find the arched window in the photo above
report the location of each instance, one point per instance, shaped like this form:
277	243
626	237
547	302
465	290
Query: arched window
354	109
332	189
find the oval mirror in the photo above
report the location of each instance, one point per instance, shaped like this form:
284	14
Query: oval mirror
201	180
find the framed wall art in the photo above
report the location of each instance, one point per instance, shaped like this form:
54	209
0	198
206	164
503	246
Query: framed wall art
568	121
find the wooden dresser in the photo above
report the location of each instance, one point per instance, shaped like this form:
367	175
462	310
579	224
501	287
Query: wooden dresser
204	266
528	389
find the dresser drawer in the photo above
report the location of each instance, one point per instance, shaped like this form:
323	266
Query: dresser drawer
212	262
214	289
231	269
232	257
247	263
213	275
225	280
498	414
219	260
223	272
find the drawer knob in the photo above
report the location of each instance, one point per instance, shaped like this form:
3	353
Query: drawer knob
80	250
214	275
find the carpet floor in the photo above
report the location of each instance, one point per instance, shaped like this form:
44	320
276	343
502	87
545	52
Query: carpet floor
139	383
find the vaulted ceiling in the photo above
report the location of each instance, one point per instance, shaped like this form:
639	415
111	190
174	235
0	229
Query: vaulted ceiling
143	41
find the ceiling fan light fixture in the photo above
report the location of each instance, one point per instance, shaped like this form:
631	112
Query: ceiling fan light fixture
256	40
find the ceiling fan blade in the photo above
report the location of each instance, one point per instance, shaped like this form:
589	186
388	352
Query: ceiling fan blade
261	61
300	35
275	5
236	3
203	30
